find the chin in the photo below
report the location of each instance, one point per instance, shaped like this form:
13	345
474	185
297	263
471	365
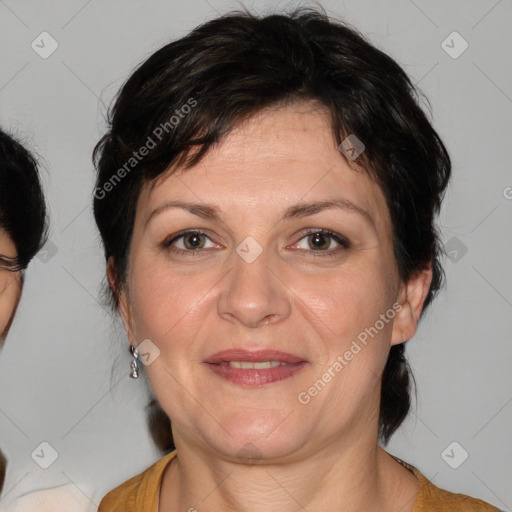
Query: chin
251	451
248	437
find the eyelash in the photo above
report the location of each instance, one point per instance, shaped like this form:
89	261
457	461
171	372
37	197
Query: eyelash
342	241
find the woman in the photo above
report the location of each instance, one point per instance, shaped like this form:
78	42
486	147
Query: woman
266	196
22	230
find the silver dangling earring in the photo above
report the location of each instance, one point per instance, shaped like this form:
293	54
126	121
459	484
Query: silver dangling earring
134	374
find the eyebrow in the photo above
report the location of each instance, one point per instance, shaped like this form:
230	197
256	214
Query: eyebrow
299	210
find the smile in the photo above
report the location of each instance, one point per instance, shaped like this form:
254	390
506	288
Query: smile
245	373
250	365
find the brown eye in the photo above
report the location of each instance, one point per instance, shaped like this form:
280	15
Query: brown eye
190	241
319	241
193	241
322	242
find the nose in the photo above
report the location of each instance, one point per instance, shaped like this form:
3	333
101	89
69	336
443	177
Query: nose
253	294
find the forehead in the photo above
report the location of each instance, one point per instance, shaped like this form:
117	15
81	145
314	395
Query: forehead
299	132
275	158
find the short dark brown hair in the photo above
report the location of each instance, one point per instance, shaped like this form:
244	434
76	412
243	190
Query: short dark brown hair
238	64
22	206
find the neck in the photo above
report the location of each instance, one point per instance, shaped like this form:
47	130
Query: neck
344	475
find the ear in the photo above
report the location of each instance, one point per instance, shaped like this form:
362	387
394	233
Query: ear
411	298
124	303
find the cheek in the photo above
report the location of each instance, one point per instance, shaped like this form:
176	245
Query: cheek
346	309
345	300
339	303
336	301
10	291
168	306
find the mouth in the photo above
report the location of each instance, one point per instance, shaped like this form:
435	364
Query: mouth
256	356
254	368
259	365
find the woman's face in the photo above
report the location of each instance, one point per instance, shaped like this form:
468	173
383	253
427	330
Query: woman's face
10	286
262	277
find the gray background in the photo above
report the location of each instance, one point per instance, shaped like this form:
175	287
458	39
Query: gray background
56	383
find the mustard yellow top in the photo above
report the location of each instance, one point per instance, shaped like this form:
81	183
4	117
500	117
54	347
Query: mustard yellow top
141	494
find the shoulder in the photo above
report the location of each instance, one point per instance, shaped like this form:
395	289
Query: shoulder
141	489
62	497
434	499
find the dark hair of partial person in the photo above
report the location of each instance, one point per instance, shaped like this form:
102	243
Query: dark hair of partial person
241	63
23	213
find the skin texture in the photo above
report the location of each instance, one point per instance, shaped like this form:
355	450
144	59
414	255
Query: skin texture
10	292
10	287
322	455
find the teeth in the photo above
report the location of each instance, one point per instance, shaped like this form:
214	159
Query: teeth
260	365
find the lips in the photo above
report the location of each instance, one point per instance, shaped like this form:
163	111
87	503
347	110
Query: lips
254	368
253	356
